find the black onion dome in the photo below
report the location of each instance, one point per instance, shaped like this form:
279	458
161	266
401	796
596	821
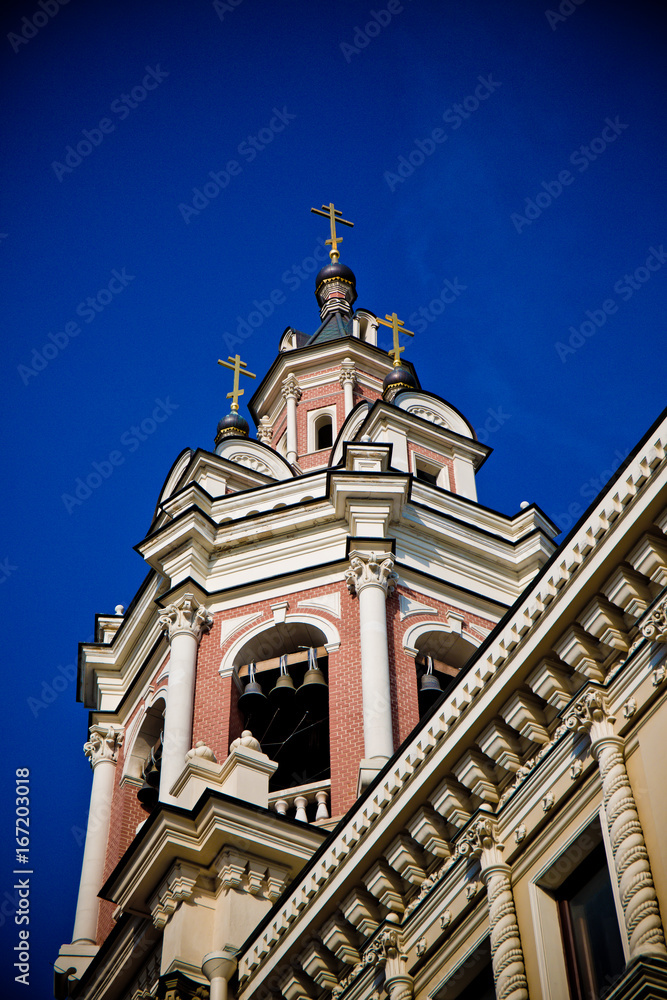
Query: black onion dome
233	425
399	377
336	270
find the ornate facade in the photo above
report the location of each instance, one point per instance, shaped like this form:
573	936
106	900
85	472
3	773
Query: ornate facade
360	736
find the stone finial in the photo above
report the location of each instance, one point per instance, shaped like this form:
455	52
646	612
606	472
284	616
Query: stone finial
104	744
202	751
186	615
246	739
370	569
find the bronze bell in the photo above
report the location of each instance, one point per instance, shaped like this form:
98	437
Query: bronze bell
148	796
283	691
253	700
429	689
313	694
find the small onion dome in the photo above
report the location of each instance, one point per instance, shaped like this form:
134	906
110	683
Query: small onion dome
400	377
233	425
337	270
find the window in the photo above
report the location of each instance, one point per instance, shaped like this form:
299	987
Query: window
433	679
430	472
324	433
591	937
473	979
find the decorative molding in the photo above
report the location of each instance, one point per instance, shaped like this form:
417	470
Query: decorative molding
408	606
232	625
509	972
631	861
655	627
264	430
177	886
250	462
370	569
326	602
186	615
104	744
426	413
290	388
348	372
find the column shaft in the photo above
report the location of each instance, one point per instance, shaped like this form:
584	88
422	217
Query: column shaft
376	694
178	713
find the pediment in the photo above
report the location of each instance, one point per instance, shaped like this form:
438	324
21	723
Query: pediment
256	456
435	410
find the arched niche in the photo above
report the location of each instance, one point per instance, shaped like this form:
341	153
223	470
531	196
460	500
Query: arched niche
292	725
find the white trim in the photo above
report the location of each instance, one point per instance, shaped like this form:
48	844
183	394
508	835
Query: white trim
332	637
437	469
414	632
313	416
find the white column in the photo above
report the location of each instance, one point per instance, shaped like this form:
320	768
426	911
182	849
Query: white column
292	394
631	862
397	983
348	378
219	967
509	971
370	576
102	750
184	621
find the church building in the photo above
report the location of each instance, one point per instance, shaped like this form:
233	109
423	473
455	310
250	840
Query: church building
359	736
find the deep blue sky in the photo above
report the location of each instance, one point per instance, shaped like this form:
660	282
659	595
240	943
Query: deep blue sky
350	118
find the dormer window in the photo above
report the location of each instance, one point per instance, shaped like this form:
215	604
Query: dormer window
430	472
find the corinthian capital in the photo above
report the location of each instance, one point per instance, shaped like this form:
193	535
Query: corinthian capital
264	430
590	714
655	626
290	389
481	841
104	744
348	372
370	569
186	615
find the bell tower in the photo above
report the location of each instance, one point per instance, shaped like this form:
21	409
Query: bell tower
312	593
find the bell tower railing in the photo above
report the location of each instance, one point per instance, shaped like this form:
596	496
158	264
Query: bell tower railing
307	803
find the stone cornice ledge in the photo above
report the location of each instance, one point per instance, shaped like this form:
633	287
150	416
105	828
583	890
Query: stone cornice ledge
197	836
390	786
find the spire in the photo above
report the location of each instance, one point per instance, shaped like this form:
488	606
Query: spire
335	285
234	425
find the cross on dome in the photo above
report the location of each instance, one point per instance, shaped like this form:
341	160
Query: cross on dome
397	326
334	216
238	367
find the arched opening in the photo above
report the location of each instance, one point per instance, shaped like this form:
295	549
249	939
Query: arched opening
439	659
283	675
323	432
145	760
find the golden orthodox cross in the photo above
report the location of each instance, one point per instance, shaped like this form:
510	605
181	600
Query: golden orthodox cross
397	327
334	216
238	367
